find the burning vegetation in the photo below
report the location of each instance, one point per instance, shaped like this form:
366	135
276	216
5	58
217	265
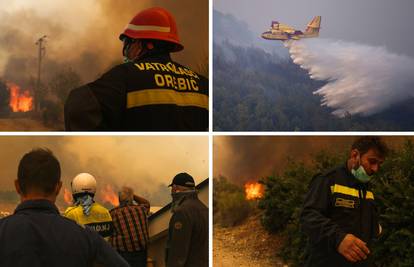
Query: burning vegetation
67	196
253	190
20	100
109	196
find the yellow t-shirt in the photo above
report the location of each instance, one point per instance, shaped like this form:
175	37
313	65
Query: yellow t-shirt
99	218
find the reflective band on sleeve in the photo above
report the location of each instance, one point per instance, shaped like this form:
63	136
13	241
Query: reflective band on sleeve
166	96
148	28
341	189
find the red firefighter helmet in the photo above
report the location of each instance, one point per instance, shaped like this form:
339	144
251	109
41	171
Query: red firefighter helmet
154	23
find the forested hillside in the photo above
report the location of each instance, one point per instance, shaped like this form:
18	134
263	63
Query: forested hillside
258	90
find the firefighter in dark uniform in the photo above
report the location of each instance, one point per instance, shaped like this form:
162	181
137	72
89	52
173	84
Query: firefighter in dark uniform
187	243
36	234
149	92
339	214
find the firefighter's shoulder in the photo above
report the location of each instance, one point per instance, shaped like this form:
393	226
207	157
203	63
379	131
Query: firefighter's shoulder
71	210
100	212
329	175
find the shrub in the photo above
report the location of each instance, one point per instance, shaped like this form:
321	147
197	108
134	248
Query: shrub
229	205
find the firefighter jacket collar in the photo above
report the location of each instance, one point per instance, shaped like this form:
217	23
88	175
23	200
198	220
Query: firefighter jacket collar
162	56
352	180
41	205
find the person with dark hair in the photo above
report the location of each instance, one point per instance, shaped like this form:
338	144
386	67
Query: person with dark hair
131	237
36	234
149	92
187	243
339	214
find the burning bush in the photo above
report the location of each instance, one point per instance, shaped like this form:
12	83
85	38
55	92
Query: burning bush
230	206
253	190
20	100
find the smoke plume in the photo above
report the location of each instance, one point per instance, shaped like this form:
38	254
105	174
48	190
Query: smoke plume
361	79
83	35
147	164
245	158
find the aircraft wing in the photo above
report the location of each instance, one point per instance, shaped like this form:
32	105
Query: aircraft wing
286	28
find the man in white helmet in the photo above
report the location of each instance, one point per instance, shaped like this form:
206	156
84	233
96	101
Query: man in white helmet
85	210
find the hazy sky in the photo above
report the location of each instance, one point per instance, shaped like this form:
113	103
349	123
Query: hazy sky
373	22
84	35
147	164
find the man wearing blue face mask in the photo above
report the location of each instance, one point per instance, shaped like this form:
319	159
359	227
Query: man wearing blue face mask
339	214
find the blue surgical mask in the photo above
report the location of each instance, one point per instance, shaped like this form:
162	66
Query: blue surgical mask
360	174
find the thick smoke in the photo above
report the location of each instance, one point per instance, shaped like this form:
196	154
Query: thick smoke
147	164
361	79
245	158
83	35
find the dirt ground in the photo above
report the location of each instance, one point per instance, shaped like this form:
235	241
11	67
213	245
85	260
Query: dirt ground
245	245
24	124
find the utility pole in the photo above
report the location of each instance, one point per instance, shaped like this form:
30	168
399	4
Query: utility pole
41	53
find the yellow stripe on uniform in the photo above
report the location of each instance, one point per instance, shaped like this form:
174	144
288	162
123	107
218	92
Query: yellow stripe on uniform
349	191
148	28
166	96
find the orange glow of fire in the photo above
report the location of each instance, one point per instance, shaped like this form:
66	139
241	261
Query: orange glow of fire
253	190
109	195
20	100
67	196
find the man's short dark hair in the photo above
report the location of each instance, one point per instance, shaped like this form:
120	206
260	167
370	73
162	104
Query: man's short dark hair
365	143
39	171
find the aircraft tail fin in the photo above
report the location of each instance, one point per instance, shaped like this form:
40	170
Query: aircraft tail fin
314	26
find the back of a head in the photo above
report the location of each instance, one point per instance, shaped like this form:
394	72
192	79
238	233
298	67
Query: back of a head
38	172
126	195
365	143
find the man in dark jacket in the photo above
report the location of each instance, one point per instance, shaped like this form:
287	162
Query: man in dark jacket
36	234
339	214
187	244
149	92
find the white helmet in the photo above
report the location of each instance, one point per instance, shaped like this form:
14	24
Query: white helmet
83	183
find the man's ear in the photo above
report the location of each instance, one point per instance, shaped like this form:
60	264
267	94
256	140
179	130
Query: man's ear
17	186
150	45
354	154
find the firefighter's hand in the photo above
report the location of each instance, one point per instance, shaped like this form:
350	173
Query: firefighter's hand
353	248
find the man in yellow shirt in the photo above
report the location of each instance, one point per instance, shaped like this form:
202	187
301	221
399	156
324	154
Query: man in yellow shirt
85	210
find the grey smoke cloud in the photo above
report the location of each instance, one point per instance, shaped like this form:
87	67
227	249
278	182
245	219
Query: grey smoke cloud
83	35
362	79
147	164
246	158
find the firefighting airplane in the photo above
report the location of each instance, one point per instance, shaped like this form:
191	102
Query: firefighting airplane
283	32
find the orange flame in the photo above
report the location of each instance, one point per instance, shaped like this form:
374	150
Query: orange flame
253	190
67	196
20	100
109	195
